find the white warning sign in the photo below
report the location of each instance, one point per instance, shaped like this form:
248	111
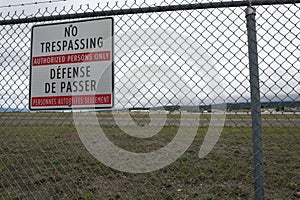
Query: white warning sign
72	65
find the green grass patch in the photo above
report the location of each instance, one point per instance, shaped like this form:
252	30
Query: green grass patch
38	161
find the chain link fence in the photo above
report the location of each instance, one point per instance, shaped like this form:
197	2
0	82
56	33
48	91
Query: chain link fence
172	61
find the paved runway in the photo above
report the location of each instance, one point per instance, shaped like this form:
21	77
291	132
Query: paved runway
189	120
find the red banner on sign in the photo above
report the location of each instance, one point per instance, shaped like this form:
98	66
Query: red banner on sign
71	58
72	100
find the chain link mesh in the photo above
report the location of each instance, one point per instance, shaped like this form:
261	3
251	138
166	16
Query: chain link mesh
157	55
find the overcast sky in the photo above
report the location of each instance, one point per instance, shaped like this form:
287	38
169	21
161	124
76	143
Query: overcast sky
219	36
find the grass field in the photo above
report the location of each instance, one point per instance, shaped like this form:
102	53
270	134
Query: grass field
50	162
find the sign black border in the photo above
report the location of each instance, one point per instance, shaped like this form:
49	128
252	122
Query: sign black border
112	63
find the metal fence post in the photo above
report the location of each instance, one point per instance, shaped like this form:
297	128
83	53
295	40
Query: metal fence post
255	105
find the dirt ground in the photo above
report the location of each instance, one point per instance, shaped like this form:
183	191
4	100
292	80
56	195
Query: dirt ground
50	162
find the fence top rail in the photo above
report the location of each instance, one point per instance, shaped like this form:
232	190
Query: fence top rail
150	9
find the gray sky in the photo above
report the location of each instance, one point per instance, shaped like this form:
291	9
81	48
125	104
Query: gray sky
220	35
